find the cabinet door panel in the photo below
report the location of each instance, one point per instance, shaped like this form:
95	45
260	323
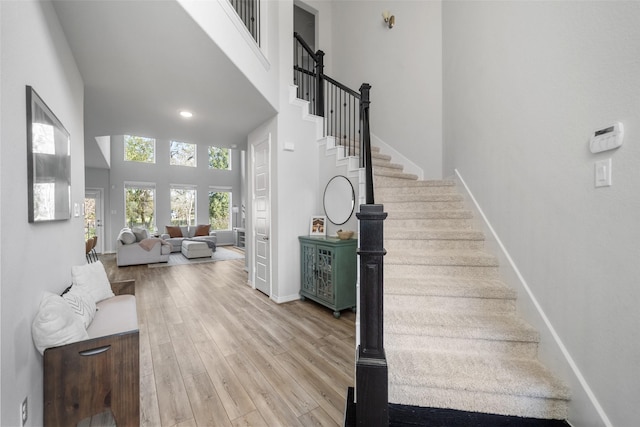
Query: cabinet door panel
308	266
325	258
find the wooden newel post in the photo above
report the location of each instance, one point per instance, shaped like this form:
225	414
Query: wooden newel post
371	365
320	83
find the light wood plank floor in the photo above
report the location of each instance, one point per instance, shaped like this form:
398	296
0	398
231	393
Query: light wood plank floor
214	352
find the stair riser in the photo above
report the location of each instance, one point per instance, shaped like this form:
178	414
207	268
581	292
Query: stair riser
409	206
391	244
419	198
516	349
418	224
417	271
452	305
386	168
415	190
522	406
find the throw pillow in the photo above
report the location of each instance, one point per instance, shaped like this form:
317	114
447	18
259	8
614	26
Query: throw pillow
203	230
82	305
56	324
174	231
126	236
141	234
93	280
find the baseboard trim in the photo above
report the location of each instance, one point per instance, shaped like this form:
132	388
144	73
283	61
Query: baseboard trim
286	298
540	312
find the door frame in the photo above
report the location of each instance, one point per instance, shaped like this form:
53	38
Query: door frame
99	192
251	217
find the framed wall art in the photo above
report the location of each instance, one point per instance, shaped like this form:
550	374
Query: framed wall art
48	163
317	225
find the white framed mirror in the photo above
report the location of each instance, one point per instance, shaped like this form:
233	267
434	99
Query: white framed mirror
339	200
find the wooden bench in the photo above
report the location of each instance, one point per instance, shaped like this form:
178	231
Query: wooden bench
86	378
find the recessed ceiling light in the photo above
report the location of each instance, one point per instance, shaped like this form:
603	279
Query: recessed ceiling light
186	114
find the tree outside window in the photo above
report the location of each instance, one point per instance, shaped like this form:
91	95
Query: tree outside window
220	210
140	207
183	206
219	158
139	149
182	154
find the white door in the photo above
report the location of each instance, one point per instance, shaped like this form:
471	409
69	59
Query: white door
261	211
93	216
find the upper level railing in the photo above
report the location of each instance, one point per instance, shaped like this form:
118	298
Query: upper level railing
346	112
249	12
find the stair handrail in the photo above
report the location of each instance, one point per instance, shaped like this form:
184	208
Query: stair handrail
346	111
313	85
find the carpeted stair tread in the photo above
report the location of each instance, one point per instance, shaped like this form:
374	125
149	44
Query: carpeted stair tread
417	184
419	214
442	257
422	197
472	372
395	174
415	190
504	327
435	234
456	287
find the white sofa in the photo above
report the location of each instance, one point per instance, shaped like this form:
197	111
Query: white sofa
189	232
135	247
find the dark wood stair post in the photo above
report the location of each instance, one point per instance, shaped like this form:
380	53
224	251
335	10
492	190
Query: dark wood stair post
371	364
320	83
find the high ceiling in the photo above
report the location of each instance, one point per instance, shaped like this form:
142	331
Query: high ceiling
142	62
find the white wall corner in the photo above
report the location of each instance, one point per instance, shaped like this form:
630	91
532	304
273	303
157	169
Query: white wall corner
397	157
286	298
552	351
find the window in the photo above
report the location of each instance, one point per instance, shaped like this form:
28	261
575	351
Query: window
220	209
219	158
183	205
140	206
139	149
182	154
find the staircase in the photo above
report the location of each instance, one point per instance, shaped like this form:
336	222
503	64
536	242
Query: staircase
453	338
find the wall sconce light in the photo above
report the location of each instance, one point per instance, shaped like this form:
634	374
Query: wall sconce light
389	19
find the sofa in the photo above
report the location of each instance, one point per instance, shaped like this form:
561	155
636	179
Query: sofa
135	246
175	235
89	339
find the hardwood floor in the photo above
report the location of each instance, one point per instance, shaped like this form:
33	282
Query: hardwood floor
214	352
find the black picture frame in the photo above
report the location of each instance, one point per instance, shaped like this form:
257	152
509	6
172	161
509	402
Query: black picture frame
48	163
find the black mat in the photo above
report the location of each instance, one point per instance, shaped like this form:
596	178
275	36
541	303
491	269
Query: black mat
410	416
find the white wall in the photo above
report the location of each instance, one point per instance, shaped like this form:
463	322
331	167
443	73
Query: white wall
524	85
35	257
164	175
404	67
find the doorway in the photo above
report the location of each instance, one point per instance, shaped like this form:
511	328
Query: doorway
261	215
93	216
304	23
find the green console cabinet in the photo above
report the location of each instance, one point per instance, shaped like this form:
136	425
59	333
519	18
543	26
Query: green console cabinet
328	272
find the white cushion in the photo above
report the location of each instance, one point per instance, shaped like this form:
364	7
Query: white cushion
56	324
126	236
115	315
140	233
82	304
92	279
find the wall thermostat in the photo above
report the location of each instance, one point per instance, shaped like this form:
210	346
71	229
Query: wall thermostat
607	138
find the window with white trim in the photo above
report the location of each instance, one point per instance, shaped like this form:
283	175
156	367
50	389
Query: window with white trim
139	149
220	208
183	204
140	205
182	154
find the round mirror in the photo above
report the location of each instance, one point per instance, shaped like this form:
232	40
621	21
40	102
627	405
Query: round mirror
339	200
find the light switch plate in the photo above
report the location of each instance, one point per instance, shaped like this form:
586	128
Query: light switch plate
603	173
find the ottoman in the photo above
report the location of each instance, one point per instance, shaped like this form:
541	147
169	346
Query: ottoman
193	249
